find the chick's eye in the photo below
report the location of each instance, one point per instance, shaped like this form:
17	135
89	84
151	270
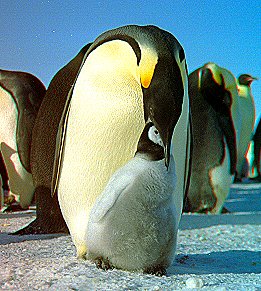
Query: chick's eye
156	132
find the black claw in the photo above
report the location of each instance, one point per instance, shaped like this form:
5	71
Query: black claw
103	264
156	270
183	259
225	210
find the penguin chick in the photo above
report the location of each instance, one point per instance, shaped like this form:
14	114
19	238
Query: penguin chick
133	224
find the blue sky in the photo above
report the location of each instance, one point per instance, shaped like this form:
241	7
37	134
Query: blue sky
42	36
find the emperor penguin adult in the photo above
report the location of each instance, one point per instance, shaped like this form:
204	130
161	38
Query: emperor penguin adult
129	76
247	110
21	95
215	122
48	214
133	223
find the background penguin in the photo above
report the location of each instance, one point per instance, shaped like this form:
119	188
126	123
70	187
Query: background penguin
214	108
48	214
247	110
130	75
133	223
20	97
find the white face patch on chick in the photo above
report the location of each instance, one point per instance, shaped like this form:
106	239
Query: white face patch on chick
154	136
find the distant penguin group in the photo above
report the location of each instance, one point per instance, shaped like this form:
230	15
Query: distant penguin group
122	142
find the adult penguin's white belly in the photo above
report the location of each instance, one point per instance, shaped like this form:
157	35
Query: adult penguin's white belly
247	110
182	139
220	180
248	117
19	179
104	126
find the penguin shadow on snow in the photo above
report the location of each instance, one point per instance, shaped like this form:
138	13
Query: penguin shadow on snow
233	261
7	238
204	220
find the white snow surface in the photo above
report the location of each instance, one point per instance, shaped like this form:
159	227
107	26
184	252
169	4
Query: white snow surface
214	252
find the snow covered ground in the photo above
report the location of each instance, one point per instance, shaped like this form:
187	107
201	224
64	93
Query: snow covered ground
214	252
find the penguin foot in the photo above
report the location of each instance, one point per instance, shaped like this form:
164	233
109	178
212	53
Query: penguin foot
14	207
39	227
156	270
203	211
8	198
237	180
256	179
103	264
182	259
225	210
32	228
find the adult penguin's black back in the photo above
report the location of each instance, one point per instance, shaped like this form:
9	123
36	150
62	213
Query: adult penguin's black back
49	218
